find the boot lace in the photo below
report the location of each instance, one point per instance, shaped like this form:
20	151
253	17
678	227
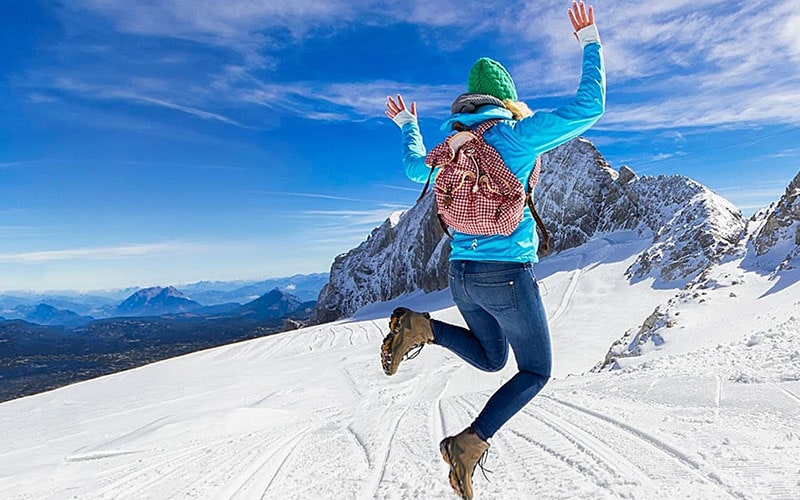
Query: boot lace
413	352
482	464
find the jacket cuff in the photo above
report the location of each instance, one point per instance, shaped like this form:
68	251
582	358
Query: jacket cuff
404	117
588	35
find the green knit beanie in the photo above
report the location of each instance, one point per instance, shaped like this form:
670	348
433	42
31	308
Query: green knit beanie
488	76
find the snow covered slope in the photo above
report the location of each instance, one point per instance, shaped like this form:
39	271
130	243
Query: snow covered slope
309	414
747	288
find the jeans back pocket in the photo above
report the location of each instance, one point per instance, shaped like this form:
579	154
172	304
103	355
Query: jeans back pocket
494	295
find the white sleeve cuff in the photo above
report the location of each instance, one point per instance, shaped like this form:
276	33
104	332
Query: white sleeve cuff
588	35
404	117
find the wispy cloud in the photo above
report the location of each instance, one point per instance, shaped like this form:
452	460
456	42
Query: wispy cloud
400	188
319	196
685	63
753	196
181	165
17	163
16	233
786	153
102	253
247	23
337	101
108	92
371	217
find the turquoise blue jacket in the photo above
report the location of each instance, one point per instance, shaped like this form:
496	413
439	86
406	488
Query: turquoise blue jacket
519	142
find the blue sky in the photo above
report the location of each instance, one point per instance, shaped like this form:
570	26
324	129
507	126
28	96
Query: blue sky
162	142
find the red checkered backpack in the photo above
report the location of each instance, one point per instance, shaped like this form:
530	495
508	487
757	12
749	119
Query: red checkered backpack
476	193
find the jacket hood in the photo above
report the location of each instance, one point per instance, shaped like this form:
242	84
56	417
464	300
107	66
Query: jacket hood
488	112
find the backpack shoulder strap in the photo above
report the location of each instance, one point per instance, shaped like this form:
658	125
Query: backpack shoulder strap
484	126
533	180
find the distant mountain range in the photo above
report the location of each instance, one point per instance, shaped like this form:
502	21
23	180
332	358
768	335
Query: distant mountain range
44	347
205	298
44	314
303	286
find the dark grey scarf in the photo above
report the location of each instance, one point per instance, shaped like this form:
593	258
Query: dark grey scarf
469	103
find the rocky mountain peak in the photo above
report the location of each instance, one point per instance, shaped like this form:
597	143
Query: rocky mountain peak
408	252
156	301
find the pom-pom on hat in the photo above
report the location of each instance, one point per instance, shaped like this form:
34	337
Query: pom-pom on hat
488	76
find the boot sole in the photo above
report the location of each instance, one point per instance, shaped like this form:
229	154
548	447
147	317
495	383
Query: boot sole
455	481
387	348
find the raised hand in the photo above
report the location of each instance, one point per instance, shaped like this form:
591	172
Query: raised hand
399	113
394	108
579	17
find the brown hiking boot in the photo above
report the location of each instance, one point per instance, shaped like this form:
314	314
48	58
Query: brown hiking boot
407	330
462	453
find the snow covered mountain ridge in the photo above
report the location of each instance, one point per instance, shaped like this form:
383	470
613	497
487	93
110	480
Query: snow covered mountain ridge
580	197
769	247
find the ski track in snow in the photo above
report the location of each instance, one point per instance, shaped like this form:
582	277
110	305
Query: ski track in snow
794	397
650	449
566	300
580	270
263	482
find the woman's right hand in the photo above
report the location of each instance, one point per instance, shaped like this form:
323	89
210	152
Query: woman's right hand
399	113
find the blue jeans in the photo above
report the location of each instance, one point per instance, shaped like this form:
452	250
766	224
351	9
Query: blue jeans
501	304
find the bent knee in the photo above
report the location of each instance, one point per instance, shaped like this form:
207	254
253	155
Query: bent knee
495	367
497	364
541	377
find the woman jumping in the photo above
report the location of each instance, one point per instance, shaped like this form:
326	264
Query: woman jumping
491	277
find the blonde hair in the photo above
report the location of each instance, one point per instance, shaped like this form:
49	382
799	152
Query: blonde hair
519	109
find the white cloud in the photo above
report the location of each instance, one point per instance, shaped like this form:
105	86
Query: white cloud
400	188
745	107
672	64
315	195
680	63
107	92
348	218
247	25
786	153
103	253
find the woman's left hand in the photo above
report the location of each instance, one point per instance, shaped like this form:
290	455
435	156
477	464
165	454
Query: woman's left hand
579	17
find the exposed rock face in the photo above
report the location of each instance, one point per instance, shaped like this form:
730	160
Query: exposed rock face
574	183
776	237
631	343
693	227
579	196
626	175
406	253
770	245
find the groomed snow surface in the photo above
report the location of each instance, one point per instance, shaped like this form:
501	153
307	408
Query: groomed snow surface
713	412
